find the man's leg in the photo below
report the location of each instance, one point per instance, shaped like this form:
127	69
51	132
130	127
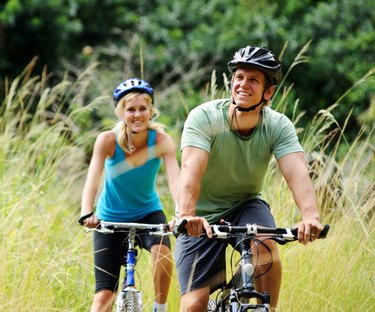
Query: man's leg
200	265
257	211
195	301
270	281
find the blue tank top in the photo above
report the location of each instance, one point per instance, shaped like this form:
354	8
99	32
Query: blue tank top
129	193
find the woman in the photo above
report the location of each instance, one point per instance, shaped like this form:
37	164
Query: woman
131	155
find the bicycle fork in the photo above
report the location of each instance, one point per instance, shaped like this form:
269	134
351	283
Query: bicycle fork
130	299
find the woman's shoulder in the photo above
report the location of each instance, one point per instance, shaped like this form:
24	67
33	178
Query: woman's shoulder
161	135
164	142
108	135
106	141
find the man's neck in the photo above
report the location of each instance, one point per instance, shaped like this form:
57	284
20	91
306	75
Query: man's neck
243	122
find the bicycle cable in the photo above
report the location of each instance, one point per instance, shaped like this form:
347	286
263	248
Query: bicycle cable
257	242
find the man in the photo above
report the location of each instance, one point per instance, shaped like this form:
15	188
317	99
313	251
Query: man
226	148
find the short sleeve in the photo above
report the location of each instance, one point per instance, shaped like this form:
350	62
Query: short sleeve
287	140
197	130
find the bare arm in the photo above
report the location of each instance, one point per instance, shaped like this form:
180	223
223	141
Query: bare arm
171	165
104	147
294	169
193	166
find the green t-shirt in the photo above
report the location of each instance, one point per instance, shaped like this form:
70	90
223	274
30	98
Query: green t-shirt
237	165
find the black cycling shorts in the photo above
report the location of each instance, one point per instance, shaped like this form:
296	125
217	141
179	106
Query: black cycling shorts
109	251
201	261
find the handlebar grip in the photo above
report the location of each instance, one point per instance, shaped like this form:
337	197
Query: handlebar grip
180	228
322	234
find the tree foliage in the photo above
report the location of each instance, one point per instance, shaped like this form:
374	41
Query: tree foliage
341	53
183	41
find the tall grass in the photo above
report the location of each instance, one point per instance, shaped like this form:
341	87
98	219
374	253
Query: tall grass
46	261
43	264
335	274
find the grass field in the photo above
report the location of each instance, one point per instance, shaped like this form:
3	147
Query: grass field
46	258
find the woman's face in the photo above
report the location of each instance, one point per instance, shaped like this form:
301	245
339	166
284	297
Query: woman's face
137	114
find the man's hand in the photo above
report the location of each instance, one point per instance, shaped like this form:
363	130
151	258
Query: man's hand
309	230
196	225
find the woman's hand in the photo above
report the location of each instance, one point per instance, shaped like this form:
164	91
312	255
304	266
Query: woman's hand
89	220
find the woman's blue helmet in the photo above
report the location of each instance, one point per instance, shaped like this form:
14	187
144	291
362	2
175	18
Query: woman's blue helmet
132	85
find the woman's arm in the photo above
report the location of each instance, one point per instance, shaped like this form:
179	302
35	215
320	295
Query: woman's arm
103	148
171	166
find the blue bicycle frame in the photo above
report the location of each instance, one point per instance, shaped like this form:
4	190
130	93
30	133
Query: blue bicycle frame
130	260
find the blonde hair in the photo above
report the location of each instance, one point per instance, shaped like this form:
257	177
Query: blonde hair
125	136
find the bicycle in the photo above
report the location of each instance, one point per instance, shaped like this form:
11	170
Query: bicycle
129	298
236	295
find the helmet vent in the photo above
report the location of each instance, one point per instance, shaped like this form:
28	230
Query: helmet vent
132	85
258	58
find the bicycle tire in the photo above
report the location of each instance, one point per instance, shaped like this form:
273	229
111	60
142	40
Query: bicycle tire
129	300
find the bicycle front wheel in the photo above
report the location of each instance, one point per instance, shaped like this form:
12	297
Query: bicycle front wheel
129	300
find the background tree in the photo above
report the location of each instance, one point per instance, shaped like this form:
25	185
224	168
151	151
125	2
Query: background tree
177	44
341	53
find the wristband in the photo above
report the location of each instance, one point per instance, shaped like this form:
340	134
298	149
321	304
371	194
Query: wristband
84	217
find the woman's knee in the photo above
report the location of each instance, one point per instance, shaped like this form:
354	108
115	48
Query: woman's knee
103	300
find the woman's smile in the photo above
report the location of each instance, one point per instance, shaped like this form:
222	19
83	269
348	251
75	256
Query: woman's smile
137	114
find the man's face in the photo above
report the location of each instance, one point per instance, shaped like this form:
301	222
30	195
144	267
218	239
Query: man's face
247	87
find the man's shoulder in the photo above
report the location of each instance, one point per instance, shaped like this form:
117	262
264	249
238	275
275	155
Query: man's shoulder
212	105
272	115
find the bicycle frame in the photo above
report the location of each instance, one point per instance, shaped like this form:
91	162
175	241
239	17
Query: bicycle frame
130	259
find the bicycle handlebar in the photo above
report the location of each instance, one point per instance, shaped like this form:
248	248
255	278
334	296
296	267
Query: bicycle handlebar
280	235
108	227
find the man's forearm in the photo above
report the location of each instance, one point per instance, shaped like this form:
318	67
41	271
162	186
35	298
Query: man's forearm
187	196
305	198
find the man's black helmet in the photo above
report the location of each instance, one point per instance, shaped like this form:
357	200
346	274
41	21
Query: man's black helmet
132	85
258	58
